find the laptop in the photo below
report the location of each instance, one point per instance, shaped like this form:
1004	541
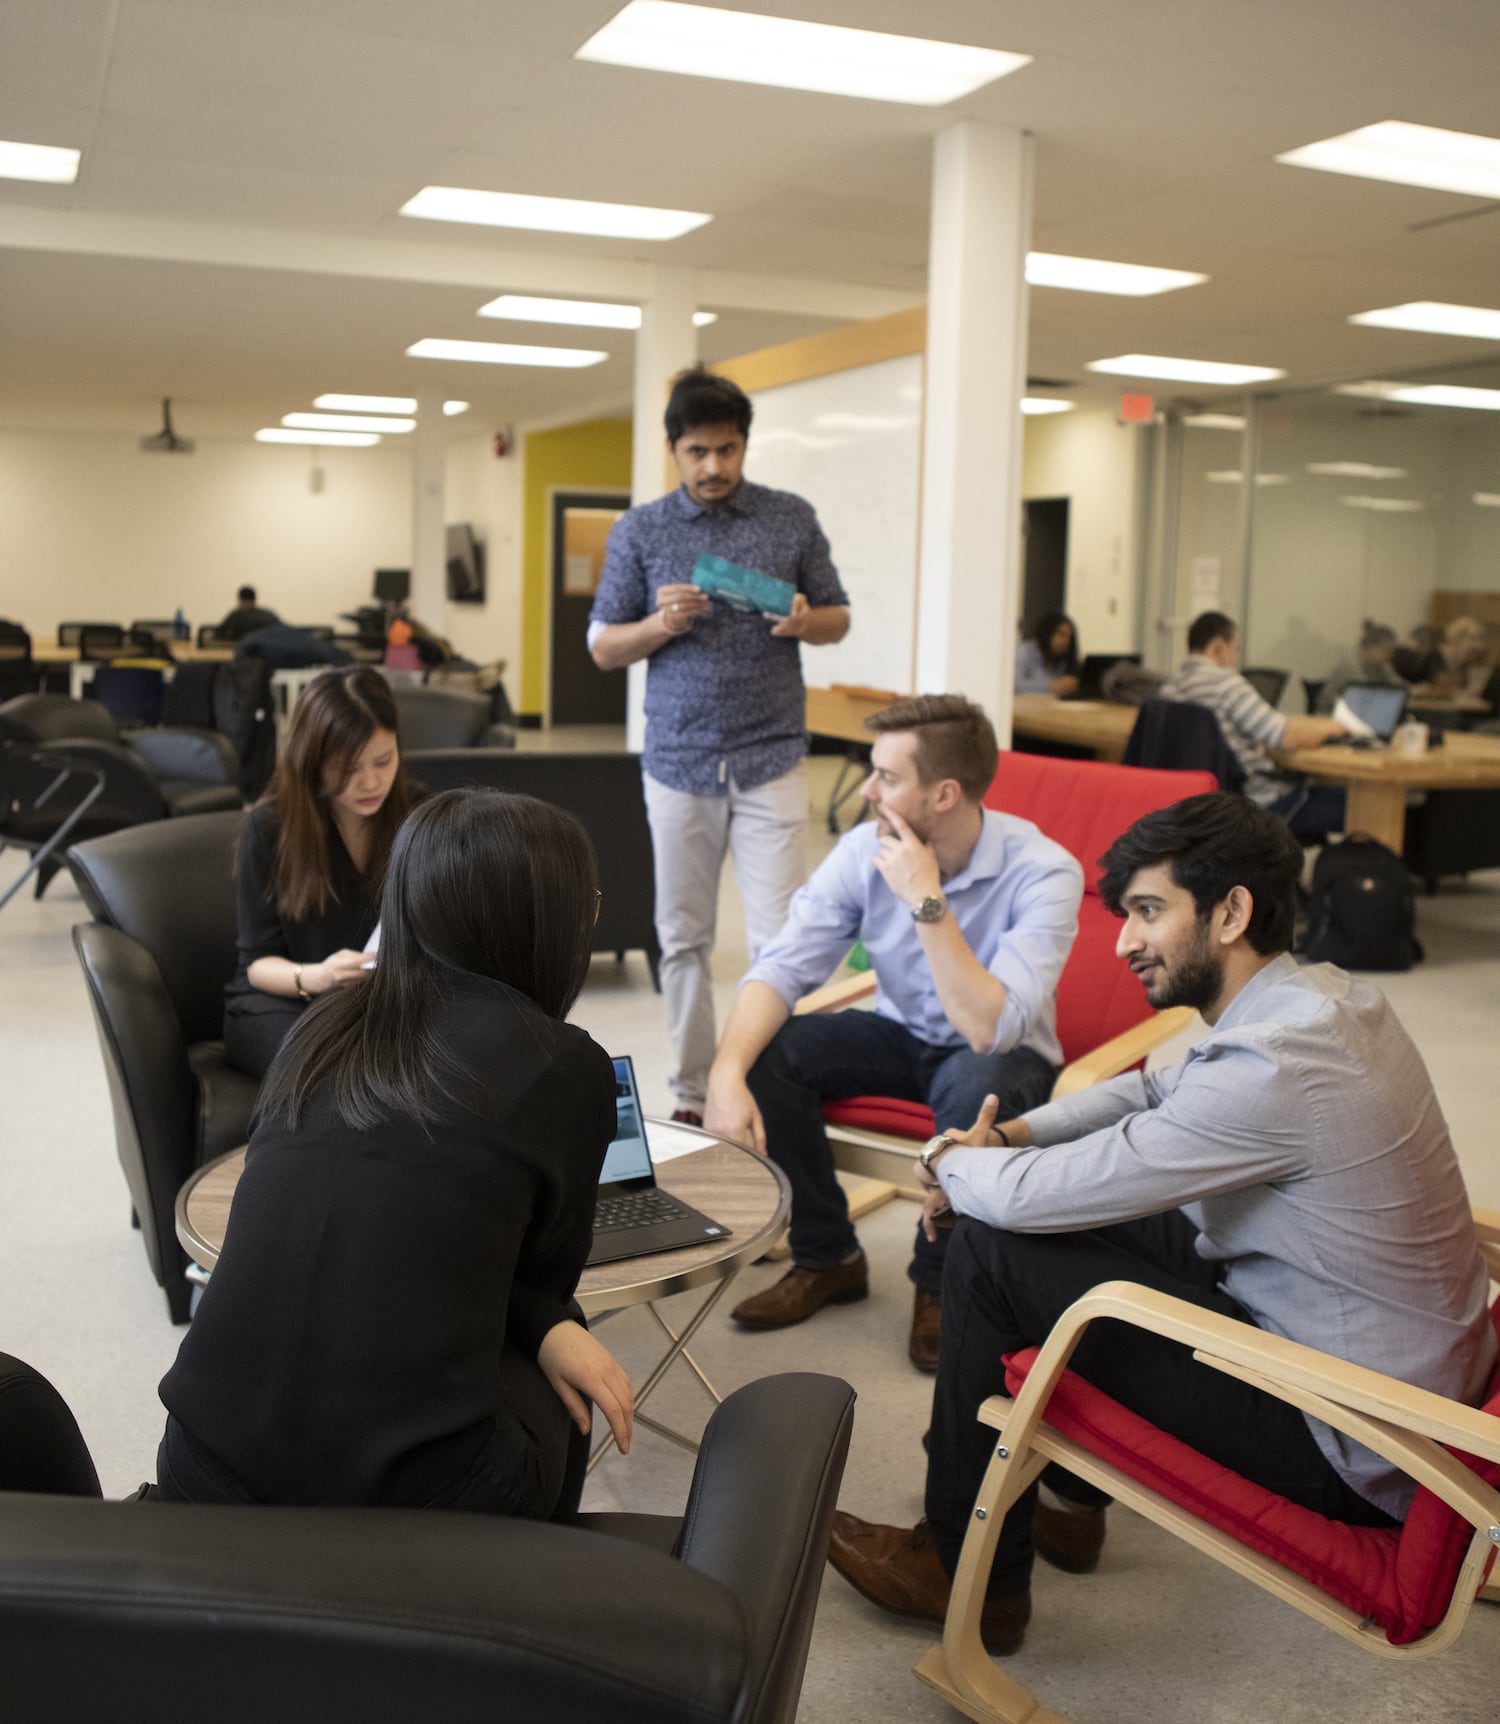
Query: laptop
1092	672
1377	705
632	1218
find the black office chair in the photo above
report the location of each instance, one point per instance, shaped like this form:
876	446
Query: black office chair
18	671
447	718
386	1615
208	635
1269	684
71	634
604	792
159	629
99	645
1312	688
156	958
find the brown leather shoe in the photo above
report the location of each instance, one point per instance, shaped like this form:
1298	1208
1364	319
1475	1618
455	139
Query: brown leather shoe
801	1292
926	1324
900	1571
1070	1539
687	1116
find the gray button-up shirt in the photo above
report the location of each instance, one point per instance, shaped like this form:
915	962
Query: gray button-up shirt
724	700
1302	1138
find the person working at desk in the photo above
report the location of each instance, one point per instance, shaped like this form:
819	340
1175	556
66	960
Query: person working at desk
389	1321
247	616
1047	661
726	724
312	859
1210	676
1374	662
968	916
1294	1172
1445	671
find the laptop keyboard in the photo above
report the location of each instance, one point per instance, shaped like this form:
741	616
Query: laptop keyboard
635	1209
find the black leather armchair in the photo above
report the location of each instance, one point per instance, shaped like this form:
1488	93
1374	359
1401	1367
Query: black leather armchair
604	792
387	1615
156	958
447	718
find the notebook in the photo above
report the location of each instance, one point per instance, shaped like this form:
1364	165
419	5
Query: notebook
632	1218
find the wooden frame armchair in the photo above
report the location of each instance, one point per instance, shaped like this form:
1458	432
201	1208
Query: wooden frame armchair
1103	1021
1403	1592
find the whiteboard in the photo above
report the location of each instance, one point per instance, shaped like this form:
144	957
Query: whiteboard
850	443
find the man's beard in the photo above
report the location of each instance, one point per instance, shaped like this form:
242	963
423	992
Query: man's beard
1196	981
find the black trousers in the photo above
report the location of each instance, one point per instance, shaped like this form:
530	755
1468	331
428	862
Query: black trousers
833	1056
253	1039
1003	1291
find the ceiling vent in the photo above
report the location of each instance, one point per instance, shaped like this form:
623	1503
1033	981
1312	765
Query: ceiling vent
166	441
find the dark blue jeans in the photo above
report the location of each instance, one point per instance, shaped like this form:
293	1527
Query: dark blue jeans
842	1054
1004	1291
1312	810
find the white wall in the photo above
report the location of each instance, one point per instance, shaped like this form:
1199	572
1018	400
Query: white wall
1090	459
93	530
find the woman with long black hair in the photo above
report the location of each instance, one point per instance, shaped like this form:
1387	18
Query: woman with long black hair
389	1320
1047	660
312	857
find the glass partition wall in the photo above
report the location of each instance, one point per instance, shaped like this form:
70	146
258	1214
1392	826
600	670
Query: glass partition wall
1305	515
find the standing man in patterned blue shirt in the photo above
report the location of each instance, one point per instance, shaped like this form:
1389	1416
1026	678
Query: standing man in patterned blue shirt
726	725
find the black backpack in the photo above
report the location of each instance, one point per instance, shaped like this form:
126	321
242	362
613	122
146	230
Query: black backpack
1363	912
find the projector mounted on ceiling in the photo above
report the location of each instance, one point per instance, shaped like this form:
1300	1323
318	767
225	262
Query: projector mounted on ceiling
166	441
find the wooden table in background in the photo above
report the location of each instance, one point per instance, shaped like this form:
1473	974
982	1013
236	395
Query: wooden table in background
1101	725
742	1190
840	712
1377	779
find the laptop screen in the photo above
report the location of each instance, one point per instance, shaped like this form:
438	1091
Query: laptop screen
1378	706
627	1156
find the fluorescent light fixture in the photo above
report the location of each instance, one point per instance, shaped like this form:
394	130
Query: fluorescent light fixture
1356	470
452	408
1487	499
1373	389
330	439
1214	421
1385	505
346	422
1233	476
551	215
504	353
1094	275
1183	370
1035	406
587	313
44	163
1409	156
1450	395
746	48
368	403
1434	317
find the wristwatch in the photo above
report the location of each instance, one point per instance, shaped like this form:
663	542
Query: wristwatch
930	910
935	1146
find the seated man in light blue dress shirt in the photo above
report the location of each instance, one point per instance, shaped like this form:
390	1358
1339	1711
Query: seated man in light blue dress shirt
968	917
1294	1172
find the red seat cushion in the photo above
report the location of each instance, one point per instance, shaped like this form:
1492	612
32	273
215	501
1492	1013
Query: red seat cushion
1402	1578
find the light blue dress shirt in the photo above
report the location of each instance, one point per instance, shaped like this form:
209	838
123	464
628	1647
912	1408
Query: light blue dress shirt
1302	1138
1016	903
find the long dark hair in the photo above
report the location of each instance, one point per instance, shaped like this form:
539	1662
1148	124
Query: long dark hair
1047	625
478	881
336	716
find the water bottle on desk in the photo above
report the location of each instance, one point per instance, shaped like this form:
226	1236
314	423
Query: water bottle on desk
180	629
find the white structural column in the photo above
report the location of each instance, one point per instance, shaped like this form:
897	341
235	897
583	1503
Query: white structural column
970	551
667	343
429	510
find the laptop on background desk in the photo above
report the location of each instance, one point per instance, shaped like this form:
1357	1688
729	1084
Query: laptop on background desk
1092	672
632	1216
1376	705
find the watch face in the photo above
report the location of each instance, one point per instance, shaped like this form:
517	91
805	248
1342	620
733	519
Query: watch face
930	910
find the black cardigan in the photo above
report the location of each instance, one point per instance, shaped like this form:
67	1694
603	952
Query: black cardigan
350	1335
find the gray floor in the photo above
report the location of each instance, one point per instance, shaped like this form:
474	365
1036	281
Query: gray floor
1158	1632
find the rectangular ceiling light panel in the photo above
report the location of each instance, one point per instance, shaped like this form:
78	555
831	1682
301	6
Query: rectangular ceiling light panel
1183	370
1035	406
747	48
1214	421
1356	470
1433	317
347	422
1408	155
324	439
368	403
1094	275
44	163
583	313
504	353
551	215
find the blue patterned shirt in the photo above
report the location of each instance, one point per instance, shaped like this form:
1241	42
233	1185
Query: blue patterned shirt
725	700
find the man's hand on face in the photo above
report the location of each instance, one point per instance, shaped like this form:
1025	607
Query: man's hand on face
795	626
907	865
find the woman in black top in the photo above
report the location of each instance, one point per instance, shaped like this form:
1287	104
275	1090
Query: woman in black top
389	1320
311	859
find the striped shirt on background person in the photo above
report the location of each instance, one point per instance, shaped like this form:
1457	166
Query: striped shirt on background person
1251	727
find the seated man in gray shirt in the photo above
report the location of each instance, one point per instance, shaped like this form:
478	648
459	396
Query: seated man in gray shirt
1295	1172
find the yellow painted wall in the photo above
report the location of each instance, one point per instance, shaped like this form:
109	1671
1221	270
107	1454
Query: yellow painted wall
592	456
